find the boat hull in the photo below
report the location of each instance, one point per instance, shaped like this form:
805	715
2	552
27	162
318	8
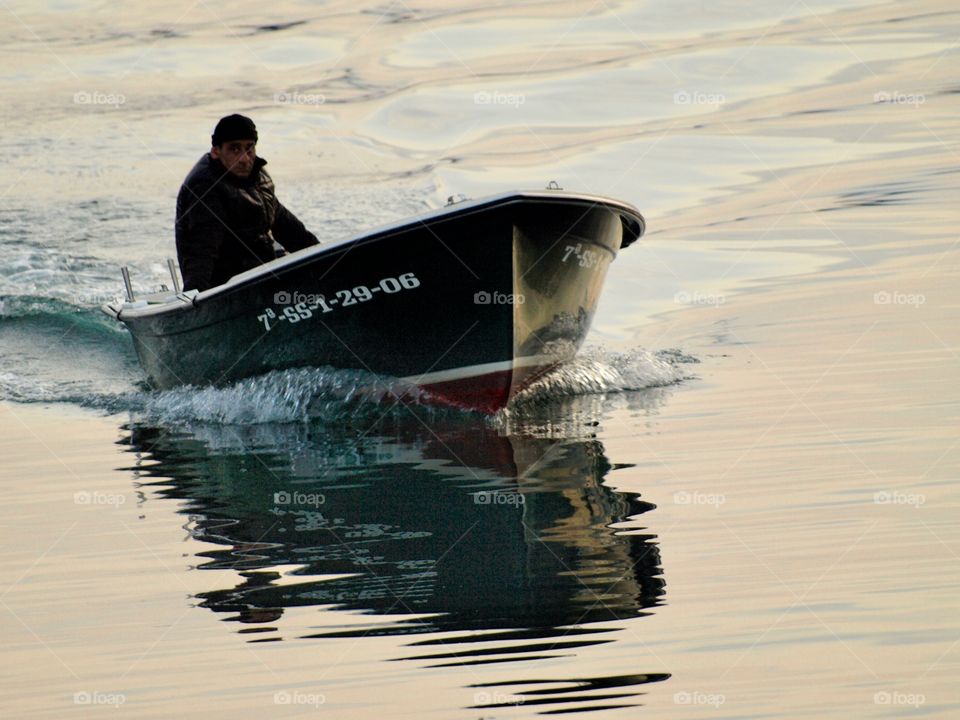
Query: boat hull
471	303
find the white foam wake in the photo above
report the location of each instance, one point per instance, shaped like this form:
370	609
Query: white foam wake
599	371
332	395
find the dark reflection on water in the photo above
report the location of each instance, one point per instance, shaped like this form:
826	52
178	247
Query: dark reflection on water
511	546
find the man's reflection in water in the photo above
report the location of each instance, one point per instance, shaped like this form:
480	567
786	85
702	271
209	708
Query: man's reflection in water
461	528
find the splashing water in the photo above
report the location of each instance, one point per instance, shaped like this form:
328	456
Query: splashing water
597	370
281	396
60	352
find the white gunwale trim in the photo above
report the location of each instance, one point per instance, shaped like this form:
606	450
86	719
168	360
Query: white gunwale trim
460	208
469	371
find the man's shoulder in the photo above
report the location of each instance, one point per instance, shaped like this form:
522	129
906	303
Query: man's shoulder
200	187
204	173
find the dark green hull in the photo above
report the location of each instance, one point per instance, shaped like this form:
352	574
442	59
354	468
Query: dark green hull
471	302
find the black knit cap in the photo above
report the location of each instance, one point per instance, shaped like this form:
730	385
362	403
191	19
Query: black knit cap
234	127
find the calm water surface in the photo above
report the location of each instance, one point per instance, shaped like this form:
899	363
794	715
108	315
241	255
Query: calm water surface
739	502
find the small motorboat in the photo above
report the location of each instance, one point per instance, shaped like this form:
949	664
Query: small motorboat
471	302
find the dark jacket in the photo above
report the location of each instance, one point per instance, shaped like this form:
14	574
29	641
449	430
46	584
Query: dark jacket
226	225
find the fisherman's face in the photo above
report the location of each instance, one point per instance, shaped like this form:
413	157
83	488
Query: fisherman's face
237	156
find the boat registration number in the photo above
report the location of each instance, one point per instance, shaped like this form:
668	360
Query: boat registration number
293	307
583	257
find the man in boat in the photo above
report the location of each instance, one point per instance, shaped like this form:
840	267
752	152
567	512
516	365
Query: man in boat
228	216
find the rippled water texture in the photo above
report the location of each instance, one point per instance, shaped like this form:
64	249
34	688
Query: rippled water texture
740	501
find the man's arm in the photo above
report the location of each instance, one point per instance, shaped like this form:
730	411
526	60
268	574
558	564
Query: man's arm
290	232
199	230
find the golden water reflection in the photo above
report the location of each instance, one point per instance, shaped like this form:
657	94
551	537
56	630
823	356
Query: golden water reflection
488	548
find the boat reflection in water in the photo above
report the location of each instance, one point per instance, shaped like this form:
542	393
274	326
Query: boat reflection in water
514	542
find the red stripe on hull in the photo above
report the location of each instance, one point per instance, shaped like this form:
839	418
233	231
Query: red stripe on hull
487	393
